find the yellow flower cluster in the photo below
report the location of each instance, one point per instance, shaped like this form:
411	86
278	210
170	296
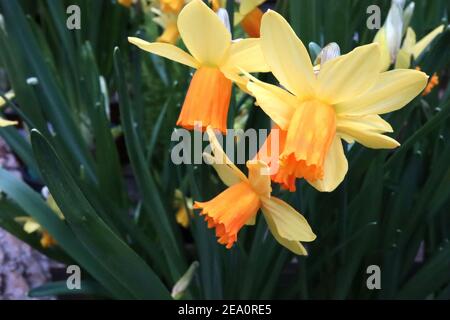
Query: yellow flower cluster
314	108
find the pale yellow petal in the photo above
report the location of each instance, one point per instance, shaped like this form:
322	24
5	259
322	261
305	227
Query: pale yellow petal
410	40
224	167
247	6
392	91
289	223
286	55
293	245
259	177
403	59
165	50
277	103
9	95
349	75
364	134
203	33
5	123
425	41
335	168
385	56
246	54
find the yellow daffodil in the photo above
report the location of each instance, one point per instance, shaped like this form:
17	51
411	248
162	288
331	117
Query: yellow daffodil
30	226
217	60
396	28
184	208
342	100
249	16
240	202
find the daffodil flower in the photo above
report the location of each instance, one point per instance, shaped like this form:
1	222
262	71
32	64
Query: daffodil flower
396	28
316	110
249	16
240	202
217	60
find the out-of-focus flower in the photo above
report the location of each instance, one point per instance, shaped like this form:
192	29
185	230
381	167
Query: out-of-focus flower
166	15
240	202
396	28
249	16
126	3
3	122
184	208
30	225
317	109
217	59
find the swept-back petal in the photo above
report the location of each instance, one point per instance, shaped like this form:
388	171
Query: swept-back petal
335	168
205	36
276	102
246	54
364	134
425	41
259	177
289	223
392	90
165	50
293	245
286	55
349	75
224	167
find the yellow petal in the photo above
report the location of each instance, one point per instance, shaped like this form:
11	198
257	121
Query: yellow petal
403	59
5	123
248	5
203	33
363	133
385	56
9	95
286	55
259	177
404	55
246	54
392	91
31	226
295	246
410	40
224	167
425	41
335	168
349	75
165	50
289	223
276	102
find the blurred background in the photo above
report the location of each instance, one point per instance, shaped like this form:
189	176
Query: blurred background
105	111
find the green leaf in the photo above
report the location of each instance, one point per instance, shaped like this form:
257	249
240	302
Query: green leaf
119	260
